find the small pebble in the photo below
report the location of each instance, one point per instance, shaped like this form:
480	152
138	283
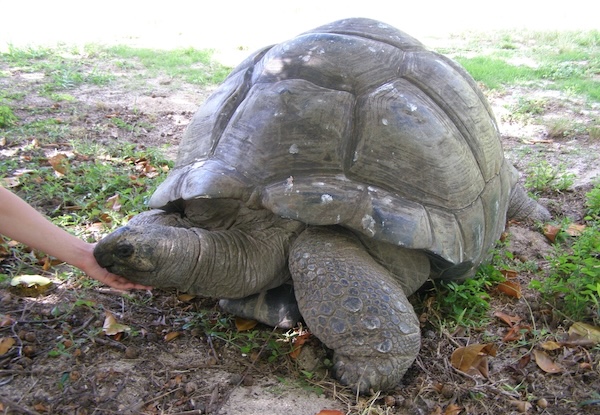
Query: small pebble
248	380
190	388
30	336
542	403
132	352
390	400
447	391
29	350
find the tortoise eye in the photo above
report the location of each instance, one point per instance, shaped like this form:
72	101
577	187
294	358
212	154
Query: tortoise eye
124	250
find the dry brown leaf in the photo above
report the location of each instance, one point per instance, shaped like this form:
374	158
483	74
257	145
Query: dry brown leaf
473	358
6	320
298	342
524	361
521	406
95	227
60	164
40	407
186	298
172	335
452	409
113	203
509	273
545	362
550	345
579	330
5	344
242	324
575	229
9	182
513	334
508	319
510	288
111	327
550	232
330	412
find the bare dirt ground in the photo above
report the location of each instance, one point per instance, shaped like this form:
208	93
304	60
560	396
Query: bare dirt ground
63	365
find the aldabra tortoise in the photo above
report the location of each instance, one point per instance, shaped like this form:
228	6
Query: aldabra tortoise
349	160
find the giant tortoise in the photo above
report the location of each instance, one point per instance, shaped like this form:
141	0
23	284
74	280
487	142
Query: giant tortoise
349	162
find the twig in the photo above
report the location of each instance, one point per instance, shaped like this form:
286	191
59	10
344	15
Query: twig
156	398
84	325
212	347
17	408
107	342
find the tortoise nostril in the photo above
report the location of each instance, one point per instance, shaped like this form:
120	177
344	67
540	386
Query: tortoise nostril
124	250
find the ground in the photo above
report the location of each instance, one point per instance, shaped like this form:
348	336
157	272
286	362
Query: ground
170	363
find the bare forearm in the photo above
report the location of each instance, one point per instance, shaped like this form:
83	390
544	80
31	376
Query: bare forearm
21	222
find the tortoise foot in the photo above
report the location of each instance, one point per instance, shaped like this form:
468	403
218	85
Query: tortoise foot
276	307
355	307
369	374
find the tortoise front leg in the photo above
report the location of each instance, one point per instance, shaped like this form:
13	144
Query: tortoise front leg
356	307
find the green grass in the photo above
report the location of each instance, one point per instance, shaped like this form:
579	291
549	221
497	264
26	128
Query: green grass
563	61
542	177
573	281
191	65
7	117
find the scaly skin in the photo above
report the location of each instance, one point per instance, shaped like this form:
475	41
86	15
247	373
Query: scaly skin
160	250
356	307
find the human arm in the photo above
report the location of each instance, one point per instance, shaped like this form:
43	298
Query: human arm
21	222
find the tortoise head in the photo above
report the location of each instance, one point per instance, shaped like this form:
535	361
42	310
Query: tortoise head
144	254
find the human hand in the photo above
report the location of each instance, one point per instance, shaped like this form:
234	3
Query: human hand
95	271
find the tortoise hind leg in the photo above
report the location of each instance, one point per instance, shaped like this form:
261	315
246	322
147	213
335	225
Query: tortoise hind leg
276	307
356	307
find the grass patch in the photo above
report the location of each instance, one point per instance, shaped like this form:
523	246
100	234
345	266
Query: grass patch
564	61
573	283
542	177
7	117
191	65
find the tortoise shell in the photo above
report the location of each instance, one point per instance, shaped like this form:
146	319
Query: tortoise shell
354	123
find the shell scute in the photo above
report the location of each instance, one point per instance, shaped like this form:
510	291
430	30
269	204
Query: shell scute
356	124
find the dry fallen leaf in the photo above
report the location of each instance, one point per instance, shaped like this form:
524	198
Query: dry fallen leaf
30	285
473	359
113	203
242	324
5	344
509	273
508	319
524	361
6	320
550	345
550	232
59	163
510	288
172	335
545	362
111	327
521	406
298	342
452	409
513	334
330	412
9	182
579	330
575	229
186	298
